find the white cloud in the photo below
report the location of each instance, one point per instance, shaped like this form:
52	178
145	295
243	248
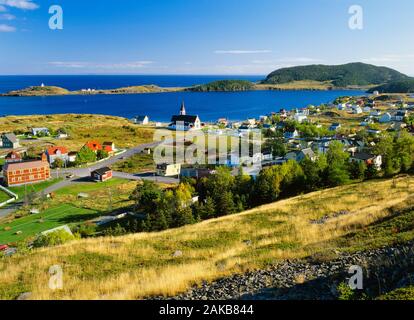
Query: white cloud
241	51
19	4
7	16
6	28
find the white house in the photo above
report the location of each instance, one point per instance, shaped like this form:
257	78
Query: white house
37	131
356	110
141	120
368	158
300	117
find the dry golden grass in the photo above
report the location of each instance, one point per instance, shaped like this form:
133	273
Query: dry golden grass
141	265
81	128
297	85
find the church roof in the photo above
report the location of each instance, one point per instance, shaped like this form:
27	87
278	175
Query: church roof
184	118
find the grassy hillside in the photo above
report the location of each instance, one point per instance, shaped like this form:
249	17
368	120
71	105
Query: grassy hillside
135	266
352	74
38	91
57	91
406	86
81	128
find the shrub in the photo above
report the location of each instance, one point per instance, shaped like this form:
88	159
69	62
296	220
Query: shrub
53	239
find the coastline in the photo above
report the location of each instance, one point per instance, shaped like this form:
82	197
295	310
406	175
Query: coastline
150	89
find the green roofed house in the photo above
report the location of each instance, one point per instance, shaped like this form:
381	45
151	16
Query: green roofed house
9	141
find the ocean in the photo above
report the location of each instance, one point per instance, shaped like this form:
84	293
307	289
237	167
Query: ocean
158	106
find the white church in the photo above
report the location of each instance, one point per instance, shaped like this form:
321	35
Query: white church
184	122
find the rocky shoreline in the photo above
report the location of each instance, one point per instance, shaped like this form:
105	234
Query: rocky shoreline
384	269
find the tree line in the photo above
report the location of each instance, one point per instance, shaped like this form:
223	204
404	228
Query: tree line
223	194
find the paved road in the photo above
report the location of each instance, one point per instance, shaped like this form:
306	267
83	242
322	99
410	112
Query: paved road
82	173
86	172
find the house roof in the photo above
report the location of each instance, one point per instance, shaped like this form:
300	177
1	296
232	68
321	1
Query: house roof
140	118
363	156
25	165
52	151
13	155
11	137
184	118
102	171
94	145
308	152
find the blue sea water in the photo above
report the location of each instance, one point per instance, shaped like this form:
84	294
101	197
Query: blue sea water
158	106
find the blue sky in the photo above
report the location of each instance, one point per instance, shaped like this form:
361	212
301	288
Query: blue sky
201	36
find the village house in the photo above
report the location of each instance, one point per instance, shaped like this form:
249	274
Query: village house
222	122
357	110
401	115
291	134
40	131
9	141
62	135
109	147
26	172
184	122
144	120
385	118
93	145
299	155
102	174
300	117
168	170
13	157
367	158
54	153
375	113
335	127
72	156
196	173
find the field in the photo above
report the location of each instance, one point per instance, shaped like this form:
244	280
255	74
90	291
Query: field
103	197
3	196
31	225
33	188
136	164
81	128
140	265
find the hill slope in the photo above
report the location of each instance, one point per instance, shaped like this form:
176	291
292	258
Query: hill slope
224	86
351	74
140	265
406	86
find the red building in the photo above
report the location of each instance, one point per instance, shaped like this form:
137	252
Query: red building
13	157
94	145
102	174
20	173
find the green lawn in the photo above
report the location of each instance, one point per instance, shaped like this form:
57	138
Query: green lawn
49	219
86	187
3	196
20	190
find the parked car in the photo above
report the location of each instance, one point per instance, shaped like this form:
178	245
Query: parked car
3	247
70	176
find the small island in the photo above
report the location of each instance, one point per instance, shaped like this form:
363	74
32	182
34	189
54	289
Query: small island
351	76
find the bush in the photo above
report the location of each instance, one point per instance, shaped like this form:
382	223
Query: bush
53	239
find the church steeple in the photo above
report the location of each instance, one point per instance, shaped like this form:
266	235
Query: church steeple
182	109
